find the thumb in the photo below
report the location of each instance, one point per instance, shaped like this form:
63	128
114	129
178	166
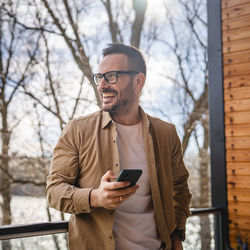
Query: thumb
108	176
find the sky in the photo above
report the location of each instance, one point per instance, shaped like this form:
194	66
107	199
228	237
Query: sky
157	93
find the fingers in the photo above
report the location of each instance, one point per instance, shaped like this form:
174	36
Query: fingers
118	185
127	191
110	194
108	176
114	198
113	194
110	184
116	201
123	194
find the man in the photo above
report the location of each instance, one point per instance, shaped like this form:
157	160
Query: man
90	153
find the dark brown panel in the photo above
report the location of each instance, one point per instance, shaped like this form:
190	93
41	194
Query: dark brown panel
238	143
238	34
236	58
237	155
236	11
237	105
234	181
238	195
236	46
238	208
237	93
236	23
241	222
237	69
237	81
230	3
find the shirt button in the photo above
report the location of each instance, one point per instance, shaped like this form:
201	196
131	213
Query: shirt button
111	237
116	164
114	141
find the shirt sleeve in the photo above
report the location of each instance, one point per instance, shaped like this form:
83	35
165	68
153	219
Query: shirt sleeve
61	192
181	194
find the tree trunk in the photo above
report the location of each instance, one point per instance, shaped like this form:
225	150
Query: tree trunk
140	9
6	245
200	108
53	235
5	184
205	232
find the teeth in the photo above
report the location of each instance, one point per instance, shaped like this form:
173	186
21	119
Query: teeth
108	95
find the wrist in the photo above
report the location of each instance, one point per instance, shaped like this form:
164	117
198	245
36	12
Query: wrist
93	198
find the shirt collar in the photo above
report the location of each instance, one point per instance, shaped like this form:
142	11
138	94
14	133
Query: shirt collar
107	118
144	118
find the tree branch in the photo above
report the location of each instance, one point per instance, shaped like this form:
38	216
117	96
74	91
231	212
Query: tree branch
196	114
83	62
43	105
139	7
51	85
23	77
77	99
113	26
27	27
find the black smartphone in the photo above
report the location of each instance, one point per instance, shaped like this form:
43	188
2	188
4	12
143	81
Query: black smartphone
131	175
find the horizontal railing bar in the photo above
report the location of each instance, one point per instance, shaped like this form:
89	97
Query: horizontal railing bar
32	234
30	230
47	228
203	211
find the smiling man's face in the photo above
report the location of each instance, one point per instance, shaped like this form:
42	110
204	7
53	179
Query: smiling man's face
117	98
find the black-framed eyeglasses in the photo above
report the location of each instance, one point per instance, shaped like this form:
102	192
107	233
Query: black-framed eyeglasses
110	77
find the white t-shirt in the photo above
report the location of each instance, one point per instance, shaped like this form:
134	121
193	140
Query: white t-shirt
135	225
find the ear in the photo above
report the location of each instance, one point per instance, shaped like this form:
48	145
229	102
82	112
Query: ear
139	81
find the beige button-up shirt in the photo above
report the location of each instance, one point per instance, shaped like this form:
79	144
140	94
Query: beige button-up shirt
86	150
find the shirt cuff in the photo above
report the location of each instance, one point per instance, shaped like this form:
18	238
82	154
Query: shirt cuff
81	200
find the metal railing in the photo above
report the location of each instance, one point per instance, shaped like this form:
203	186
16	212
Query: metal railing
30	230
46	228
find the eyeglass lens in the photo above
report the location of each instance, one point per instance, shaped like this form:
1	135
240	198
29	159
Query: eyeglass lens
110	77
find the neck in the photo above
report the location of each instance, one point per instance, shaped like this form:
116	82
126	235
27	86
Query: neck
130	118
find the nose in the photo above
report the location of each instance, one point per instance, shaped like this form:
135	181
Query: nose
103	84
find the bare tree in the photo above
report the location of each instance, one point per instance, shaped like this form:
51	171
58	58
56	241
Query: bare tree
136	25
15	75
65	23
16	59
43	166
49	94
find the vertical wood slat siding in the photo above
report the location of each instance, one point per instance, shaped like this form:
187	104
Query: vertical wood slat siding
236	60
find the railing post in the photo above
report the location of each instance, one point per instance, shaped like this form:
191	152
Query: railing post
218	235
217	128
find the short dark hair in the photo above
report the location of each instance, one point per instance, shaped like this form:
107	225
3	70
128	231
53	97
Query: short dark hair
135	57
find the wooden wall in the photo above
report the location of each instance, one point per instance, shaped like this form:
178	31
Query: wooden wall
236	60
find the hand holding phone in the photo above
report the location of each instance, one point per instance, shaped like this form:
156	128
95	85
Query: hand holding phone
109	195
130	175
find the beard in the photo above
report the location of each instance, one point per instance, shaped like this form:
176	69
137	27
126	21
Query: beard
124	102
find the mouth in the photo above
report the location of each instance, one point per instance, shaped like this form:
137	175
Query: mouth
107	96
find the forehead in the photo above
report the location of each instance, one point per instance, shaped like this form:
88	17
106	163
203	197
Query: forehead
114	62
